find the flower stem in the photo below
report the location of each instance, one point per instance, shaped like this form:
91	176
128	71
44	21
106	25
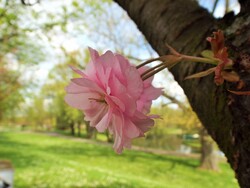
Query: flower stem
147	62
152	71
200	59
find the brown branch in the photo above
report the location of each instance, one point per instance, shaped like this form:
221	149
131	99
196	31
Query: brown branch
214	6
175	101
27	2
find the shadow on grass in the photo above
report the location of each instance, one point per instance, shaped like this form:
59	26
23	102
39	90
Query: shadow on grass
16	152
25	154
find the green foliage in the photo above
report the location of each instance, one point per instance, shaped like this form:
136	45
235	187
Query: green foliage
44	161
15	38
54	92
16	49
36	113
10	93
208	54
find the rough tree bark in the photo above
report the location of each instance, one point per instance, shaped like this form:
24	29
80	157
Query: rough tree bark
185	26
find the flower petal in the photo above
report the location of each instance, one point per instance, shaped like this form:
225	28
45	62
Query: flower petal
84	82
78	71
93	54
134	82
96	113
131	130
80	100
104	123
74	88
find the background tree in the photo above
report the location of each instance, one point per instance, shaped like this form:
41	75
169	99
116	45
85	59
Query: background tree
185	26
209	158
13	42
10	94
53	91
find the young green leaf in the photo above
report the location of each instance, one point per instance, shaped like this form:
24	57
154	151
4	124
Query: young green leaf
201	74
208	54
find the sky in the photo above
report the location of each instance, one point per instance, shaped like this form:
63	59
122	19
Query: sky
220	9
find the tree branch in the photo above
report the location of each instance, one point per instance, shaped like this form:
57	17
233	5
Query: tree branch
175	101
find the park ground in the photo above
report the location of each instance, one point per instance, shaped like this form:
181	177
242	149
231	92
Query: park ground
48	161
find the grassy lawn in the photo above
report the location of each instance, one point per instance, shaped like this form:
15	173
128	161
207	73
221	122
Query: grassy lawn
45	161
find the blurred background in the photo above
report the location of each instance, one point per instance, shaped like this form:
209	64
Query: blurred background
50	144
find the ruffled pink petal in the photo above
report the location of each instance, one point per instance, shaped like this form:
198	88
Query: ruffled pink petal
124	63
117	86
144	106
95	114
115	102
143	122
152	93
78	71
104	123
118	123
73	88
92	86
119	90
93	54
80	100
131	131
129	102
108	59
134	82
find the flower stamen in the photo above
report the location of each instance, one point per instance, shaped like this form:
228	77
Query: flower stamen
98	100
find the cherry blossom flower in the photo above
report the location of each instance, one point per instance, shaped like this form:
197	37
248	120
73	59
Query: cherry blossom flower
113	97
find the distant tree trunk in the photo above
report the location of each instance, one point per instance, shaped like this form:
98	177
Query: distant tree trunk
79	129
209	160
91	131
109	137
72	128
185	25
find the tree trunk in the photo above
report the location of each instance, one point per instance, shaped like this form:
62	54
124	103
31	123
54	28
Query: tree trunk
91	131
185	26
109	137
209	160
79	129
72	129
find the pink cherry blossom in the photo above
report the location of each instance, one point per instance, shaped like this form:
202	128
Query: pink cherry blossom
113	97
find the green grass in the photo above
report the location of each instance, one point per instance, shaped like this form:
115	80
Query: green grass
45	161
